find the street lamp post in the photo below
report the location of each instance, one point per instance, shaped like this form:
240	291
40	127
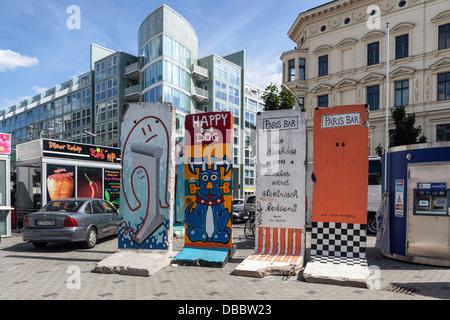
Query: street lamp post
96	136
302	107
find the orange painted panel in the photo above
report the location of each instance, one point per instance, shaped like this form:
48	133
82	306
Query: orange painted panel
341	153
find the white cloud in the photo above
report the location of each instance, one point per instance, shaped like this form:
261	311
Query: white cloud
38	89
11	60
262	72
5	103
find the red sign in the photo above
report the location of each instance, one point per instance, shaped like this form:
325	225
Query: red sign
209	127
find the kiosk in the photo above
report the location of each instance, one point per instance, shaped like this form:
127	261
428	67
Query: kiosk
51	169
418	183
5	186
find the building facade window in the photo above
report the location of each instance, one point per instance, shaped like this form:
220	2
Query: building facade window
401	46
301	102
301	69
323	65
322	101
373	97
443	86
226	72
401	93
220	90
174	74
373	53
444	37
291	70
112	86
443	132
153	49
176	51
153	74
100	92
180	100
155	94
233	95
250	120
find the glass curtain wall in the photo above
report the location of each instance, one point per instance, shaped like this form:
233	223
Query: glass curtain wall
167	60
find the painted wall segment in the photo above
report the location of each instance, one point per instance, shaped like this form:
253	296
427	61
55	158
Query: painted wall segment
147	144
208	179
280	195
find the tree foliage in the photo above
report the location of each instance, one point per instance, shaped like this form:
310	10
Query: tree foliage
405	132
276	100
271	98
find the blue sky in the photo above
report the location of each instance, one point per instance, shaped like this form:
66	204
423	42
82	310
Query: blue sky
38	50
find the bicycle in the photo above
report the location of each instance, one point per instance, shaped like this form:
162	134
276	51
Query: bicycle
249	228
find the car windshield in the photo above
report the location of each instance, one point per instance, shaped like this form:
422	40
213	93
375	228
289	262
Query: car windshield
62	206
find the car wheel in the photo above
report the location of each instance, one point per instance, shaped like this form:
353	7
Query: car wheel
372	224
39	244
91	238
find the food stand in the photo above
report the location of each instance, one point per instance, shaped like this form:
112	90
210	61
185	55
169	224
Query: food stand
52	169
5	185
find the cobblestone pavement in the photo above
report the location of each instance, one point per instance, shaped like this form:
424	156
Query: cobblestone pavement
27	272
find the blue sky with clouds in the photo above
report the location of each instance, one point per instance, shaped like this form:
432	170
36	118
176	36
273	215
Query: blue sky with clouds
38	50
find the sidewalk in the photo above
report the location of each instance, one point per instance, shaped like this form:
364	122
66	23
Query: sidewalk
55	271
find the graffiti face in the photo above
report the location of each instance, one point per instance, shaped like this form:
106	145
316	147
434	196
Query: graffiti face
145	175
209	185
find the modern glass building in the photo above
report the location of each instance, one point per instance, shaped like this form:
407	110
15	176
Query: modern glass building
166	68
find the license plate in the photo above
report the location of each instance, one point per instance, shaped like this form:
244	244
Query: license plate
45	222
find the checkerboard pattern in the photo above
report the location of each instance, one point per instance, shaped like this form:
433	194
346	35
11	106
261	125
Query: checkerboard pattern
338	240
340	261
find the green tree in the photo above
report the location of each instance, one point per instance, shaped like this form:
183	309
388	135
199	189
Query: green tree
276	100
287	99
271	98
405	132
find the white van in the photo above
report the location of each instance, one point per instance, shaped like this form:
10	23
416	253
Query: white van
373	193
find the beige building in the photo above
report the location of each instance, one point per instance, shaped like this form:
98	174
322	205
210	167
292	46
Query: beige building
340	58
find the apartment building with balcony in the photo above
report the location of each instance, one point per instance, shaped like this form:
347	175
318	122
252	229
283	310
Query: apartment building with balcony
340	58
88	108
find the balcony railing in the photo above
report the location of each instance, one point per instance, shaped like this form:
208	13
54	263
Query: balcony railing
132	71
132	93
199	73
200	95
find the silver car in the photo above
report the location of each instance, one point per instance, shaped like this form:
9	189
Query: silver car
82	220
